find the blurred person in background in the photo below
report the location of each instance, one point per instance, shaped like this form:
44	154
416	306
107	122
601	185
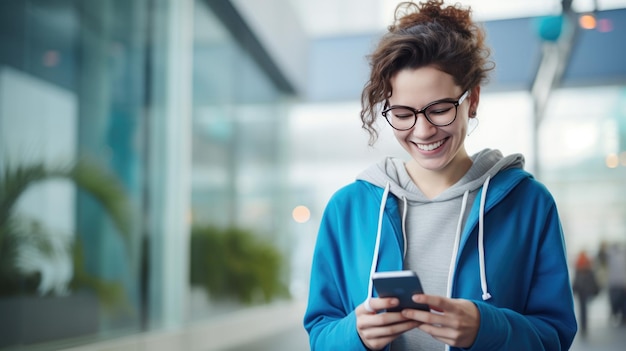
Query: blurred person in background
585	287
482	234
601	265
616	282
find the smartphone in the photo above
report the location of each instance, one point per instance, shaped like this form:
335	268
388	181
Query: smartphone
401	285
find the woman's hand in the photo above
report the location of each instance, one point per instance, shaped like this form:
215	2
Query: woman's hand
379	329
455	321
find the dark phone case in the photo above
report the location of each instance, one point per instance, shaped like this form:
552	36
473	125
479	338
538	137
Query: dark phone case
403	286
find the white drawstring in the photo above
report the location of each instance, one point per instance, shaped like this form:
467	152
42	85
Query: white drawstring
455	249
370	287
481	243
404	212
481	246
457	240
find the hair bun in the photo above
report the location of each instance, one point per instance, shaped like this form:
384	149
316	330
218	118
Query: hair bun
409	14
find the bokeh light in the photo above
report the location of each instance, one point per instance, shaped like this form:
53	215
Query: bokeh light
587	22
301	214
605	25
612	160
51	58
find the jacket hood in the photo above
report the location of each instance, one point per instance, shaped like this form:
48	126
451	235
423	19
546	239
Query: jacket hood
485	164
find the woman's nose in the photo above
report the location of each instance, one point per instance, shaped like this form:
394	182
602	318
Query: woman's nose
423	128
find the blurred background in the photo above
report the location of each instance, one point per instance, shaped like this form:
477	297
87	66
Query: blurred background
164	164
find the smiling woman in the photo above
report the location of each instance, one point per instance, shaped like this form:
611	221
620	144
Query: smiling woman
425	80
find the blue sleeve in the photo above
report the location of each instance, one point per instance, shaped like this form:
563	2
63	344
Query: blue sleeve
330	319
504	329
342	262
546	320
329	333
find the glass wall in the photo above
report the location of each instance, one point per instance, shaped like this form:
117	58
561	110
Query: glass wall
123	124
72	150
239	122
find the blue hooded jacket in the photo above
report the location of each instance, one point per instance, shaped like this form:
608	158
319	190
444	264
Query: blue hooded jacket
529	303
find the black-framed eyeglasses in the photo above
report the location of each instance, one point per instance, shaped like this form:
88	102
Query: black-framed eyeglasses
439	113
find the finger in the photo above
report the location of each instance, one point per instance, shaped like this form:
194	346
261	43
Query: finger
375	304
423	316
378	330
383	320
448	336
436	303
388	330
434	316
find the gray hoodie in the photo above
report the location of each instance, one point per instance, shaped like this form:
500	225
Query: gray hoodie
431	225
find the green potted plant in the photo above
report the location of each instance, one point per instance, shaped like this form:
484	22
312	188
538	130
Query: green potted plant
21	289
233	263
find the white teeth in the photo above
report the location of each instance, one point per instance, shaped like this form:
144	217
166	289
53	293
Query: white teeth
430	147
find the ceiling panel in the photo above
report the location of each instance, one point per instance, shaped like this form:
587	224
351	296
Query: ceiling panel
322	18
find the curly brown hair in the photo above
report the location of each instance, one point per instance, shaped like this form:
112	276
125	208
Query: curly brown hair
424	34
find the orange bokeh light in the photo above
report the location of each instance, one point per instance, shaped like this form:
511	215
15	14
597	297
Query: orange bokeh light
587	22
612	160
301	214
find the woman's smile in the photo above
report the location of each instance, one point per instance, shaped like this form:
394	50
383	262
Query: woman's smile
431	146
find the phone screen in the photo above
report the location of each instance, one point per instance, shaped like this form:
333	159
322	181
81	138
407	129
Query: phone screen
402	285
